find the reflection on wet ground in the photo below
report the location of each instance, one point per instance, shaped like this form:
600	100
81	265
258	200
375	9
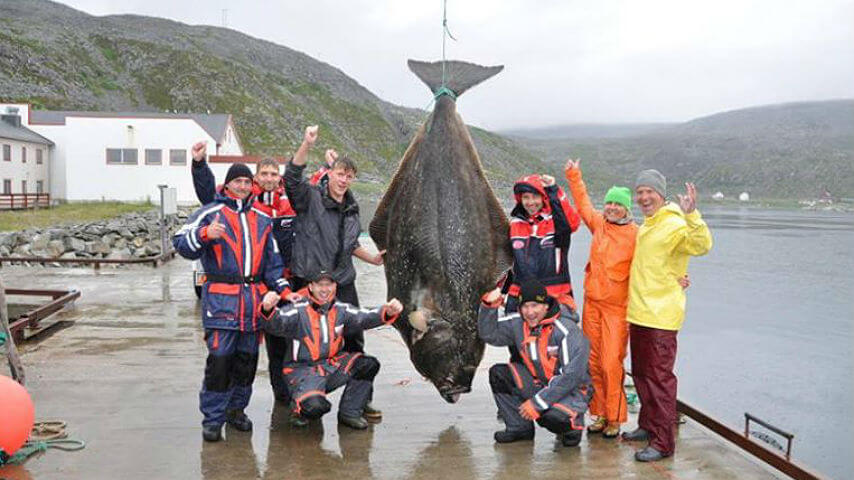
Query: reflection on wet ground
126	377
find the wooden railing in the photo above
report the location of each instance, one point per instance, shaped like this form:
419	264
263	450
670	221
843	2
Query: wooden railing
15	201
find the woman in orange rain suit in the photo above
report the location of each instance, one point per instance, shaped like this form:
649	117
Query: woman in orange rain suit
606	290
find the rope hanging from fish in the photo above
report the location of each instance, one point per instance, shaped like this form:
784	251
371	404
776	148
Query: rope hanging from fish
446	33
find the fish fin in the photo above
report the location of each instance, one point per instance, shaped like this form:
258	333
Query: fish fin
458	76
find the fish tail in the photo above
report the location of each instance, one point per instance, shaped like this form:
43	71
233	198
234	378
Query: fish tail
454	75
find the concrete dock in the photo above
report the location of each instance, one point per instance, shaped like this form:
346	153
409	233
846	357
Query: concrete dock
125	375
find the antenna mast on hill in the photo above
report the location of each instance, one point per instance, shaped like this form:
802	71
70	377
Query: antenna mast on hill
224	18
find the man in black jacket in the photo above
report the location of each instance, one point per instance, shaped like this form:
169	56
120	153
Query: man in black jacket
327	229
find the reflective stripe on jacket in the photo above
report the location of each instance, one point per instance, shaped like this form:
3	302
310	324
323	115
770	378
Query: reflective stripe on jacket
246	249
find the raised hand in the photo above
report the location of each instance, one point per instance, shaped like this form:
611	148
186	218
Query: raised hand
393	307
548	180
688	202
199	151
570	164
215	228
684	282
310	135
331	155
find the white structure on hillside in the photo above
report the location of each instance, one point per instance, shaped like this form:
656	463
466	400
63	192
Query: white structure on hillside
24	157
125	155
744	197
718	196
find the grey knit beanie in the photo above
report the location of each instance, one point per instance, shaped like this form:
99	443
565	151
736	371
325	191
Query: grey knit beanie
653	179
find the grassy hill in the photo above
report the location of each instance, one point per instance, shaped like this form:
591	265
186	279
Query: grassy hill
60	58
793	150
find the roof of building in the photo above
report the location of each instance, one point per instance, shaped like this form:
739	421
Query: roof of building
214	124
21	133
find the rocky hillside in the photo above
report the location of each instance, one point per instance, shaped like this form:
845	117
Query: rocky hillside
793	150
59	58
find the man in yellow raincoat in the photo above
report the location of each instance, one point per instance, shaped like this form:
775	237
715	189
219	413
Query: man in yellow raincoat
670	234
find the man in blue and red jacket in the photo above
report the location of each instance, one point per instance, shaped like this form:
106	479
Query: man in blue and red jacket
269	193
243	271
541	225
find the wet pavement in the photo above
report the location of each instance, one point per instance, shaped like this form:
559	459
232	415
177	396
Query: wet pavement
126	375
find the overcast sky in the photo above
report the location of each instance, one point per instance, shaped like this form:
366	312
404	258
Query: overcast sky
565	61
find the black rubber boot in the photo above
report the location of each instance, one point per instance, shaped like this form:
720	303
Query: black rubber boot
212	433
636	435
239	420
297	420
508	436
571	438
356	423
650	454
371	414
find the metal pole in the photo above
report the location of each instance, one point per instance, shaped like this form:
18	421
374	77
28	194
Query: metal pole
15	366
162	220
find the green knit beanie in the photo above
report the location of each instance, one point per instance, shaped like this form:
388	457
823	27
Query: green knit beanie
621	195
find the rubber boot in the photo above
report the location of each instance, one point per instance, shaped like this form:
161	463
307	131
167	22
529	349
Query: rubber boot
212	433
508	436
571	438
356	423
239	420
636	435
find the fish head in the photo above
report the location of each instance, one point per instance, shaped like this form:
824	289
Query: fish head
443	353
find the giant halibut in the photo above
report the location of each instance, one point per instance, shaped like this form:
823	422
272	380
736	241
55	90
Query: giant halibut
446	235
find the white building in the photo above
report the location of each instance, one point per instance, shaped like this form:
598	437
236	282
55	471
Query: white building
125	155
24	157
744	197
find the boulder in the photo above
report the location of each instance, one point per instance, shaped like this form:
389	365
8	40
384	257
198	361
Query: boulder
40	241
121	254
75	244
55	248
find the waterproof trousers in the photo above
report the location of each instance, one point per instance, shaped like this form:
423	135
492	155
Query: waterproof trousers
309	384
606	328
512	384
653	358
229	373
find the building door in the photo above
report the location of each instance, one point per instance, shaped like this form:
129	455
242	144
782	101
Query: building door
23	186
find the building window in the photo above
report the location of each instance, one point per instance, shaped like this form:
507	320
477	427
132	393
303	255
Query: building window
7	186
7	153
153	157
122	156
39	186
23	186
177	157
24	155
39	156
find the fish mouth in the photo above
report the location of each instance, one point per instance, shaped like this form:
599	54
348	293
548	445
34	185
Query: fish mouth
452	394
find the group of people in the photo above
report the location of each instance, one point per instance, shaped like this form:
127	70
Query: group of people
267	241
278	253
634	286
